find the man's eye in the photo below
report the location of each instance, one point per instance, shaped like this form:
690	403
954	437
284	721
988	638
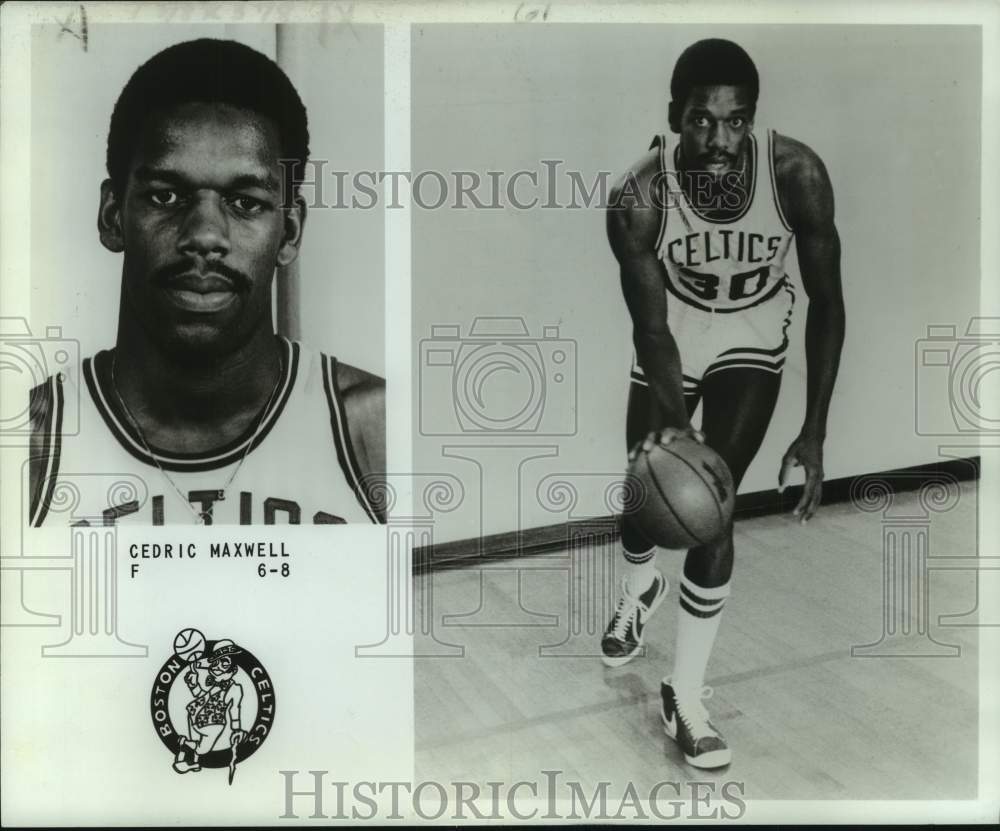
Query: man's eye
737	122
247	204
164	198
700	121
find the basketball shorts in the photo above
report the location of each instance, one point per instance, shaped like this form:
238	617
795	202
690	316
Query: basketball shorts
711	342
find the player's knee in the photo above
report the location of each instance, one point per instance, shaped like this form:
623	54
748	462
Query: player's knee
712	564
735	457
633	540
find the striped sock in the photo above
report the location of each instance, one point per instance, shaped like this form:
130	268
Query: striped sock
697	624
640	569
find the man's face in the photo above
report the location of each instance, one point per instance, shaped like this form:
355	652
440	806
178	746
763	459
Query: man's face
714	125
202	228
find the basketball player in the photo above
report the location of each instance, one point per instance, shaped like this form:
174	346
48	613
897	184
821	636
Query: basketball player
701	254
218	418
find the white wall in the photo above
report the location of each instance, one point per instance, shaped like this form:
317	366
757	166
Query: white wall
75	282
894	113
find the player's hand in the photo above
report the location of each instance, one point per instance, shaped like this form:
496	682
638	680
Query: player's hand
237	737
806	451
191	678
664	437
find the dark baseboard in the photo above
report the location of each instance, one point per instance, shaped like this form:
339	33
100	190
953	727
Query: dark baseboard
548	538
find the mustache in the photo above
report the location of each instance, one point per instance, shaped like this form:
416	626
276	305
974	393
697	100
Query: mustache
166	274
717	157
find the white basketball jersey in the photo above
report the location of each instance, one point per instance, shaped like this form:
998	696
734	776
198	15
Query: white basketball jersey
296	465
723	265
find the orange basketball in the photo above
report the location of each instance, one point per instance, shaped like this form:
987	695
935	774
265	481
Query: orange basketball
683	494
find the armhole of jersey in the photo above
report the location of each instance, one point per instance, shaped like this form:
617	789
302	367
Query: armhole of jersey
774	181
46	409
363	487
661	142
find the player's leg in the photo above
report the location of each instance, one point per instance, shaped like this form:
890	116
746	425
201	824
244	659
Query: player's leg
737	407
642	587
642	416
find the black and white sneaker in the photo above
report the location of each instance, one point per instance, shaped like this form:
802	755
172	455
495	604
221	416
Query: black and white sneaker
686	722
623	637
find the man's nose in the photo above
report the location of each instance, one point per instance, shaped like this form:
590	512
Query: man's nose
718	137
205	231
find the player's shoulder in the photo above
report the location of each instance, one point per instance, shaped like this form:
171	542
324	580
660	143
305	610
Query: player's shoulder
643	171
356	383
361	391
633	213
363	394
47	401
801	178
42	402
795	161
50	394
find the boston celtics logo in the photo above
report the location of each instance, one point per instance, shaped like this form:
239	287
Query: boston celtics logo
212	703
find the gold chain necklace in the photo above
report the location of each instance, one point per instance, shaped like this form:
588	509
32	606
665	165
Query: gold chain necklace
205	517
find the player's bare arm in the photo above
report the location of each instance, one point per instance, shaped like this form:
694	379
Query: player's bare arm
807	201
364	401
633	224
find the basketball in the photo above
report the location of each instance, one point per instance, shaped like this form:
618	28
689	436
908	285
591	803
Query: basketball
189	644
684	494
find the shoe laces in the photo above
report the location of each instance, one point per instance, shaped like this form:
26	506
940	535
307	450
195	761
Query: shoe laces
693	713
625	611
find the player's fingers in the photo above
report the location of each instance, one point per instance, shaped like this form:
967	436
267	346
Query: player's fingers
803	501
650	441
807	504
668	434
787	463
698	436
815	499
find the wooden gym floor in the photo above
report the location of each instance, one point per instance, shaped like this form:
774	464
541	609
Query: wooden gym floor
805	718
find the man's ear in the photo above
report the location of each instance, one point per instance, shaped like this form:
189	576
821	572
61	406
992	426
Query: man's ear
109	219
295	223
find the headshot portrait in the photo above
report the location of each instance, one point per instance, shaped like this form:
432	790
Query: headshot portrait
231	385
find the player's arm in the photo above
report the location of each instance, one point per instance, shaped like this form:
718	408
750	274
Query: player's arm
364	401
807	200
632	233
